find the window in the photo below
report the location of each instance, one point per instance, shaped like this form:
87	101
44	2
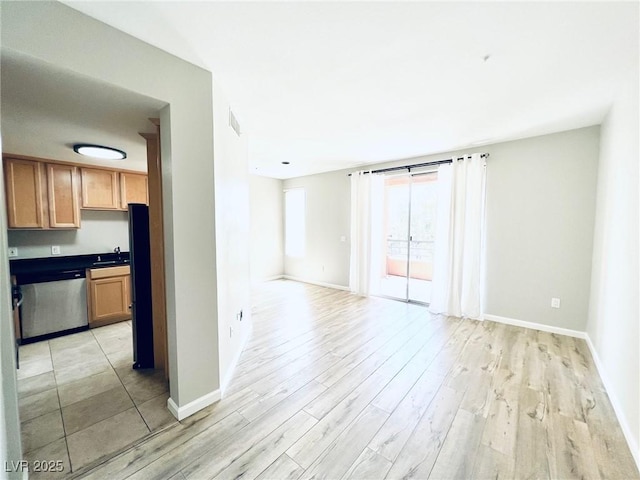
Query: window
294	221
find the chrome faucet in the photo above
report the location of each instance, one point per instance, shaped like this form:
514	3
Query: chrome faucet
116	250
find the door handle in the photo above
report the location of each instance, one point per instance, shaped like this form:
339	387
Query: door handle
17	295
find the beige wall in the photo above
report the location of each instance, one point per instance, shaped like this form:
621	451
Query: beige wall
614	313
540	217
100	232
10	438
266	237
232	236
328	196
53	33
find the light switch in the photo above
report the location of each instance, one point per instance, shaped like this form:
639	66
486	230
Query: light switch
13	251
55	249
343	239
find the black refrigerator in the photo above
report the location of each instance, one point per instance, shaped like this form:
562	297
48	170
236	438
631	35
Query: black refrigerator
140	258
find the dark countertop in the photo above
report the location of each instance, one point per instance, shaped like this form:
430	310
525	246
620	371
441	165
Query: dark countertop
72	262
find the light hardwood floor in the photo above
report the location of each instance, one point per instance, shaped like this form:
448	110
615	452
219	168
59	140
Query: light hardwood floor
337	386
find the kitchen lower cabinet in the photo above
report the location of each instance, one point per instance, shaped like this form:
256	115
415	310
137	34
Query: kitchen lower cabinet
109	295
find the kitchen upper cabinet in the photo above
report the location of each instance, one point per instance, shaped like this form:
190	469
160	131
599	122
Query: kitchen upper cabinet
100	189
133	189
46	194
24	189
62	193
34	188
109	295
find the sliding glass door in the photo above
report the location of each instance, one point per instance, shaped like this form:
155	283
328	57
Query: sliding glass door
397	201
422	226
409	229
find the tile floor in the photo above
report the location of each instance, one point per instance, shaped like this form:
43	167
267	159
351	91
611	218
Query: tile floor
80	400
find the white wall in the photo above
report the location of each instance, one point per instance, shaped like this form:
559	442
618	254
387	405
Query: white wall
328	198
53	33
99	232
540	217
266	238
10	438
614	314
232	236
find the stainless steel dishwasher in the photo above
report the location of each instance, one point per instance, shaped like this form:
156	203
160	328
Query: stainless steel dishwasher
52	303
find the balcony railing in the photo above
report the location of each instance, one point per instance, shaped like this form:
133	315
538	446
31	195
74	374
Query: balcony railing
421	250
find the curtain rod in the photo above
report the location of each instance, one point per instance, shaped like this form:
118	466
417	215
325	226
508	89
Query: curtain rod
418	165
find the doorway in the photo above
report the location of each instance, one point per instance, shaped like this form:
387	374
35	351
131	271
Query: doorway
409	232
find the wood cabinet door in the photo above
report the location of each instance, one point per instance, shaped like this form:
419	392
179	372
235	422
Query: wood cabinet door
109	300
23	185
64	208
133	189
100	189
109	295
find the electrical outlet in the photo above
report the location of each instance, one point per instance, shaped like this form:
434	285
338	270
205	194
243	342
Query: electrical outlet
55	249
13	251
230	332
555	303
343	239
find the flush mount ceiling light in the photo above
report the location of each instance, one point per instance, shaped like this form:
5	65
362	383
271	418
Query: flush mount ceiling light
99	151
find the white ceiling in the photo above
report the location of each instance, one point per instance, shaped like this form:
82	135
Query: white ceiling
329	85
45	110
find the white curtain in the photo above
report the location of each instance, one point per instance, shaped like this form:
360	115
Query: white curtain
456	288
367	197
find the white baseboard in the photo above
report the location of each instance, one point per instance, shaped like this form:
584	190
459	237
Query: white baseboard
615	403
626	430
192	407
234	363
313	282
198	404
259	281
535	326
274	277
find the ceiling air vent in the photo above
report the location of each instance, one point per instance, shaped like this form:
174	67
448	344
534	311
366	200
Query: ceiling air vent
233	123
